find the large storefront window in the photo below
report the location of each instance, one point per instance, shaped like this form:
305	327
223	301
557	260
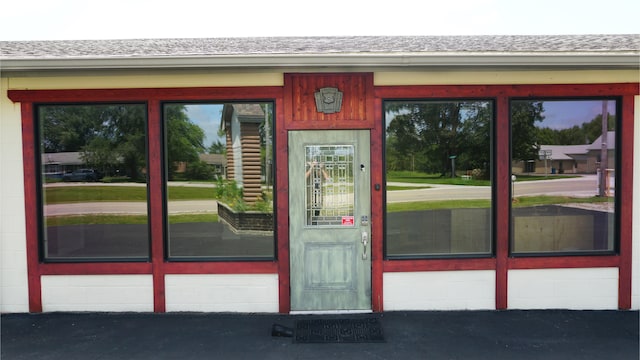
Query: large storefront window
93	180
564	166
438	172
219	171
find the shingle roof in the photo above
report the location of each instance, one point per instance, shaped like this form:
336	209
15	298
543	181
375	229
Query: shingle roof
597	143
601	51
318	45
565	152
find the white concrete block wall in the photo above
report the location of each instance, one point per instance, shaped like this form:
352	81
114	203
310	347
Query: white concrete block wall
440	290
97	293
222	293
575	289
13	250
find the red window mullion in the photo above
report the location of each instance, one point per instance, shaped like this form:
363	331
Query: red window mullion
502	201
29	146
626	203
156	194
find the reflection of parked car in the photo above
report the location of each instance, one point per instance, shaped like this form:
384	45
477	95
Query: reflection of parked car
81	175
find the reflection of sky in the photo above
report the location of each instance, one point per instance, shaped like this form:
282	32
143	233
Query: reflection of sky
207	116
558	115
566	114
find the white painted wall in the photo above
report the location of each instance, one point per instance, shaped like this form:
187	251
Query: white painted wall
97	293
222	293
13	248
148	79
575	289
494	77
439	290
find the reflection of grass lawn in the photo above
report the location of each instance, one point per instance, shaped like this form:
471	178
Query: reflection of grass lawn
519	202
424	178
435	205
72	194
525	201
104	219
392	188
542	177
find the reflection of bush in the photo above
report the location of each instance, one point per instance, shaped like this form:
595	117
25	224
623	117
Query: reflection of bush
199	170
264	203
228	192
479	174
115	179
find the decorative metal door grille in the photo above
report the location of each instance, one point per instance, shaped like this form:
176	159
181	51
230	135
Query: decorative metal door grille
329	196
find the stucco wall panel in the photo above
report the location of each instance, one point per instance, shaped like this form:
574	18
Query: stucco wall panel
222	293
440	290
97	293
13	258
575	289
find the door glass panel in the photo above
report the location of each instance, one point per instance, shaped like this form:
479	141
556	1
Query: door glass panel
329	196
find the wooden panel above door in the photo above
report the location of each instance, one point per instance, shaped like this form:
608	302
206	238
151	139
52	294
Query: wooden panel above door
357	107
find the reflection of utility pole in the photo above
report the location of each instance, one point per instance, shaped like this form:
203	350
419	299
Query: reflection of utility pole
453	165
546	155
268	157
604	153
413	163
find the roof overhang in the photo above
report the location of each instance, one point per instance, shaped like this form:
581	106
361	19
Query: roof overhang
607	60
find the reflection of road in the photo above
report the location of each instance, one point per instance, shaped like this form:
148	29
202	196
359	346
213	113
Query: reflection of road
583	186
129	208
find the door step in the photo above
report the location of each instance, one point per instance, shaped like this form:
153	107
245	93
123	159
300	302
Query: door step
329	312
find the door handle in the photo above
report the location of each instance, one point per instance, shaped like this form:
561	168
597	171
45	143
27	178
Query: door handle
365	240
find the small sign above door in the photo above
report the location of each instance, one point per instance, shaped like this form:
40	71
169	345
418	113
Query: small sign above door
328	100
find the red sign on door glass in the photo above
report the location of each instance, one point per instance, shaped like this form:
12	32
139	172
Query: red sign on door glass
347	221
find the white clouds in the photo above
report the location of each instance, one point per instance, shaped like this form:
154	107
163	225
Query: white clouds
81	19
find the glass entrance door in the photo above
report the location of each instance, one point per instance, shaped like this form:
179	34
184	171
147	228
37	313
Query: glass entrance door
329	212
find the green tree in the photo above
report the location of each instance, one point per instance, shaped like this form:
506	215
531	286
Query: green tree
199	170
475	142
184	138
593	129
67	128
217	147
109	137
585	133
525	141
424	135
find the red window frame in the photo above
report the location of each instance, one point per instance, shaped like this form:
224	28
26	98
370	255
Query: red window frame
502	261
158	267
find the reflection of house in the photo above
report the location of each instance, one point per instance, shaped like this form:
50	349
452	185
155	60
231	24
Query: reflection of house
217	161
569	159
241	123
54	165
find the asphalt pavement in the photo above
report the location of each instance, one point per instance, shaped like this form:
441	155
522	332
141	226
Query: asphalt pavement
513	334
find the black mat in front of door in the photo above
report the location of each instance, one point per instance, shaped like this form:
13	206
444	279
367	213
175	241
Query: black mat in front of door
359	330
